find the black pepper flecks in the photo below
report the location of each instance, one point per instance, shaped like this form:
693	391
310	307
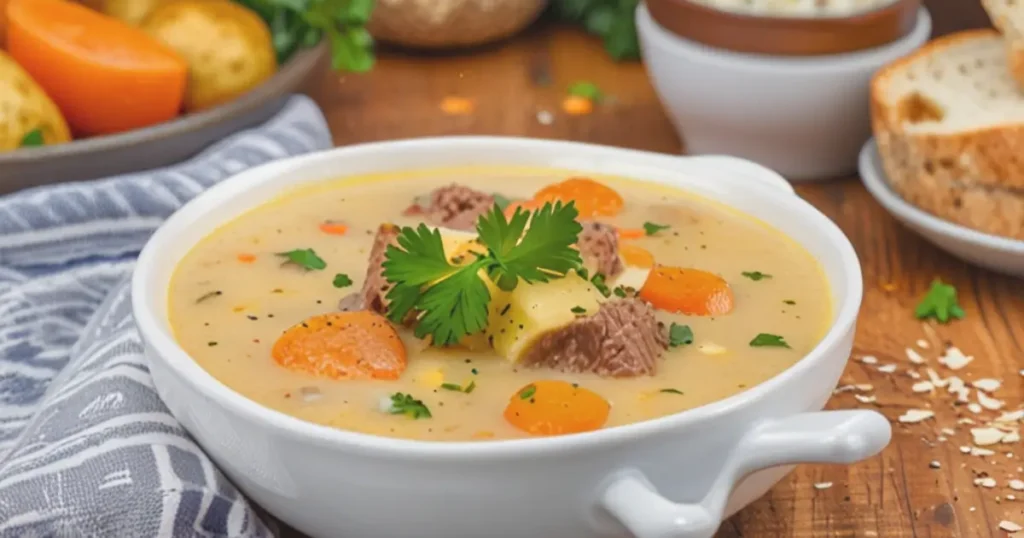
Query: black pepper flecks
211	344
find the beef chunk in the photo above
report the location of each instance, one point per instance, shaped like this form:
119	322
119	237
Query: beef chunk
624	339
371	297
599	248
456	206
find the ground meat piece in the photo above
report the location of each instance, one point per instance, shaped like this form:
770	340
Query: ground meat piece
456	206
599	248
624	339
371	297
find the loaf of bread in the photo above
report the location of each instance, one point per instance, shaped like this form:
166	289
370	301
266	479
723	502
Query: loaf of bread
1008	17
797	8
949	123
438	24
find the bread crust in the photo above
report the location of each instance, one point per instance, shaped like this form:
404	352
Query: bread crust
971	177
1011	34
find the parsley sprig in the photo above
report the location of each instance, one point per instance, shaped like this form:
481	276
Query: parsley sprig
940	303
452	299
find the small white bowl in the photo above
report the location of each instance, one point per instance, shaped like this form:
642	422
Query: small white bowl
1000	254
710	461
805	118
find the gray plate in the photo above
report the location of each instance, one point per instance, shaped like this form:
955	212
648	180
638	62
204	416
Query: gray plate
159	145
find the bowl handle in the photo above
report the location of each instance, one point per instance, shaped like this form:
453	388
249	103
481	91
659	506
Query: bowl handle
743	169
819	437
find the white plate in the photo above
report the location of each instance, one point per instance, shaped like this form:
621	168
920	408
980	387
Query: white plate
993	252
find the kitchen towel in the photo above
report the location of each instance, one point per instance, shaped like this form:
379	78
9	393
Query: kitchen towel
87	448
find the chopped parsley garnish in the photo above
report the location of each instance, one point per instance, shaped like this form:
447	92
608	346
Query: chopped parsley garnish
679	335
459	388
475	371
501	201
527	392
470	387
452	299
789	302
32	138
768	340
599	283
651	228
940	303
671	391
586	90
578	310
305	258
341	280
619	291
756	275
405	404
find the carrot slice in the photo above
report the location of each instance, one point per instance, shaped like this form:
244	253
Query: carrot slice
592	198
104	75
552	407
630	233
246	258
575	105
343	345
635	256
687	291
333	228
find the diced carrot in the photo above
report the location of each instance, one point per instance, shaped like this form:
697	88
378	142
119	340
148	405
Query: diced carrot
343	345
635	256
456	106
575	105
246	258
687	291
630	233
104	75
592	199
553	407
333	228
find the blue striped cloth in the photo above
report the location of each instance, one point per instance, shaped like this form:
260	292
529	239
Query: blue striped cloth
87	449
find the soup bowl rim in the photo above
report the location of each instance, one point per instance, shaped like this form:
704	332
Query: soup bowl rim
161	343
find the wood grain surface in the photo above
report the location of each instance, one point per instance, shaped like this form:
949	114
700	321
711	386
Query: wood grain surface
898	494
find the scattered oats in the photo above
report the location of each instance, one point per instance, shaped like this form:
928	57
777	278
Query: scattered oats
844	388
871	359
887	368
864	399
913	375
1010	526
963	394
965	449
934	378
940	439
914	356
1012	437
974	408
948	431
865	387
1011	497
1021	372
972	509
935	464
922	386
923	344
1011	416
987	482
1017	485
989	403
965	420
916	415
955	384
987	384
986	436
981	452
545	118
954	359
823	485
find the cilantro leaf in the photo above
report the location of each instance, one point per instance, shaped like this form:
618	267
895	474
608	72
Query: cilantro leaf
528	392
341	280
405	404
940	303
679	335
545	250
454	307
756	275
459	388
305	258
768	340
586	90
32	138
419	258
651	228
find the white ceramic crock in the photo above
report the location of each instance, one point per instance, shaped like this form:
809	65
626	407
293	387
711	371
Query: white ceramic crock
675	476
806	118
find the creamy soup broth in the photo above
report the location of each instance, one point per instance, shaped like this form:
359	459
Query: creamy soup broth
227	313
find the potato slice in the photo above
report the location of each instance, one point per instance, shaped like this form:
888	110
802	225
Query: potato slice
25	107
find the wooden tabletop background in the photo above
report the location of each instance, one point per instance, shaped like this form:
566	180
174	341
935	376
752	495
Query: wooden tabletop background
898	494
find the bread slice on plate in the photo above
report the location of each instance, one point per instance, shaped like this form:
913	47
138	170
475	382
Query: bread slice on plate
949	124
1008	17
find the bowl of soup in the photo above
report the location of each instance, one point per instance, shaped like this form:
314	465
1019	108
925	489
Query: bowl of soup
482	336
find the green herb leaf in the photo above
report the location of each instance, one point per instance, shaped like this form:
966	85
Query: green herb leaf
544	251
599	283
619	291
32	138
341	280
527	392
756	275
305	258
405	404
651	228
459	388
768	340
470	387
679	335
611	20
671	391
940	303
578	310
586	90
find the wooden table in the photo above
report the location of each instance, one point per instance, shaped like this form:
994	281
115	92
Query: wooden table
897	494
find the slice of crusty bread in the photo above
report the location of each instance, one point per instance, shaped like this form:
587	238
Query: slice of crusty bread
1008	17
949	123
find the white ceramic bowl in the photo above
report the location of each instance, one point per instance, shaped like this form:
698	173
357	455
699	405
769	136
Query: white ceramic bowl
1000	254
805	118
611	482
